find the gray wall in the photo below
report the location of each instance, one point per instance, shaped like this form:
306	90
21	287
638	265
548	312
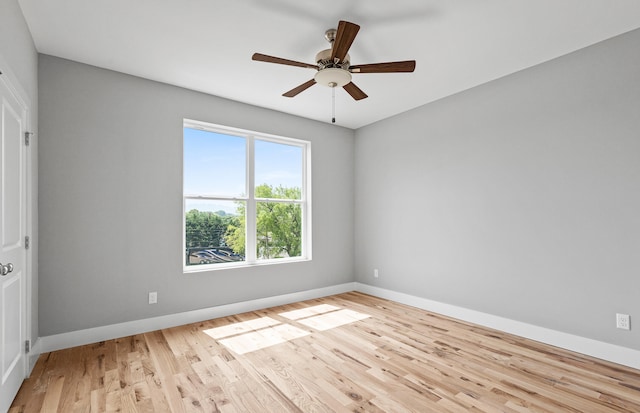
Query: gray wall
518	198
111	200
19	53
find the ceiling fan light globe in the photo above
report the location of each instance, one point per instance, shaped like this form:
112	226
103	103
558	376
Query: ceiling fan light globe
333	77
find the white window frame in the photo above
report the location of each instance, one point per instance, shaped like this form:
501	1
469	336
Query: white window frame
250	200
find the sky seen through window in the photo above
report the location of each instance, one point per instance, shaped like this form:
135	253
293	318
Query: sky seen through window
215	165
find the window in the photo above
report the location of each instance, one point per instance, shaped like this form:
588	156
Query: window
246	197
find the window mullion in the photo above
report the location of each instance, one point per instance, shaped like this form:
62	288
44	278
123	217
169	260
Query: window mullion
281	200
250	236
306	203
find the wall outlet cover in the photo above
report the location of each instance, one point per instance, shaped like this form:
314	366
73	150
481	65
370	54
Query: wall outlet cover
623	321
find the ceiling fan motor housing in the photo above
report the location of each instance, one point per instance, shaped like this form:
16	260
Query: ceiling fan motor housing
330	72
323	59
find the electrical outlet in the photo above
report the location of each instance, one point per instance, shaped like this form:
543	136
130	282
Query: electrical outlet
623	321
153	297
375	273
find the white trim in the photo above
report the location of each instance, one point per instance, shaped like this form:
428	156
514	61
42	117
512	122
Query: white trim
96	334
250	218
605	351
16	86
33	355
11	81
307	215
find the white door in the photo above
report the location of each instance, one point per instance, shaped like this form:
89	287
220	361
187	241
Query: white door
12	248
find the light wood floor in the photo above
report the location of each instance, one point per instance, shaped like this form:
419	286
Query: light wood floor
385	357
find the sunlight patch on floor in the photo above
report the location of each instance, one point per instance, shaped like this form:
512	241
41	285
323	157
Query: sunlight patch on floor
256	340
332	320
251	335
309	311
241	327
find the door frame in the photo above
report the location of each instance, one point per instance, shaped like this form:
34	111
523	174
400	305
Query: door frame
12	82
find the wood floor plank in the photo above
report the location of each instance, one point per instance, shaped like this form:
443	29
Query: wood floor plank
345	353
53	395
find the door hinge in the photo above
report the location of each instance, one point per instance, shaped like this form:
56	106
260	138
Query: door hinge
27	138
27	346
26	242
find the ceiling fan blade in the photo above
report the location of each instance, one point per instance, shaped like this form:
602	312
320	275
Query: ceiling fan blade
271	59
388	67
345	36
354	91
293	92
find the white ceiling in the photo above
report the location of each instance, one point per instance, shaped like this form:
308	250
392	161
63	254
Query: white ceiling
206	45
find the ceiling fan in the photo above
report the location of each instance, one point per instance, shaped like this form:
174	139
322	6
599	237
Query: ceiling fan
333	65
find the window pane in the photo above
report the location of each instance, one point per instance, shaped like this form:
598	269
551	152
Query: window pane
214	163
214	231
278	230
278	172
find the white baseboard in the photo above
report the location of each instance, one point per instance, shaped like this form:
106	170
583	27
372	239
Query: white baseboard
605	351
94	335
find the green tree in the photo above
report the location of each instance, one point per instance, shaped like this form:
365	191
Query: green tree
278	224
235	234
206	229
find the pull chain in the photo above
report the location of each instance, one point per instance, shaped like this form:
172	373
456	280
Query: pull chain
333	102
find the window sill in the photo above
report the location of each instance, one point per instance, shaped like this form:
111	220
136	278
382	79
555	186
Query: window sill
217	267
